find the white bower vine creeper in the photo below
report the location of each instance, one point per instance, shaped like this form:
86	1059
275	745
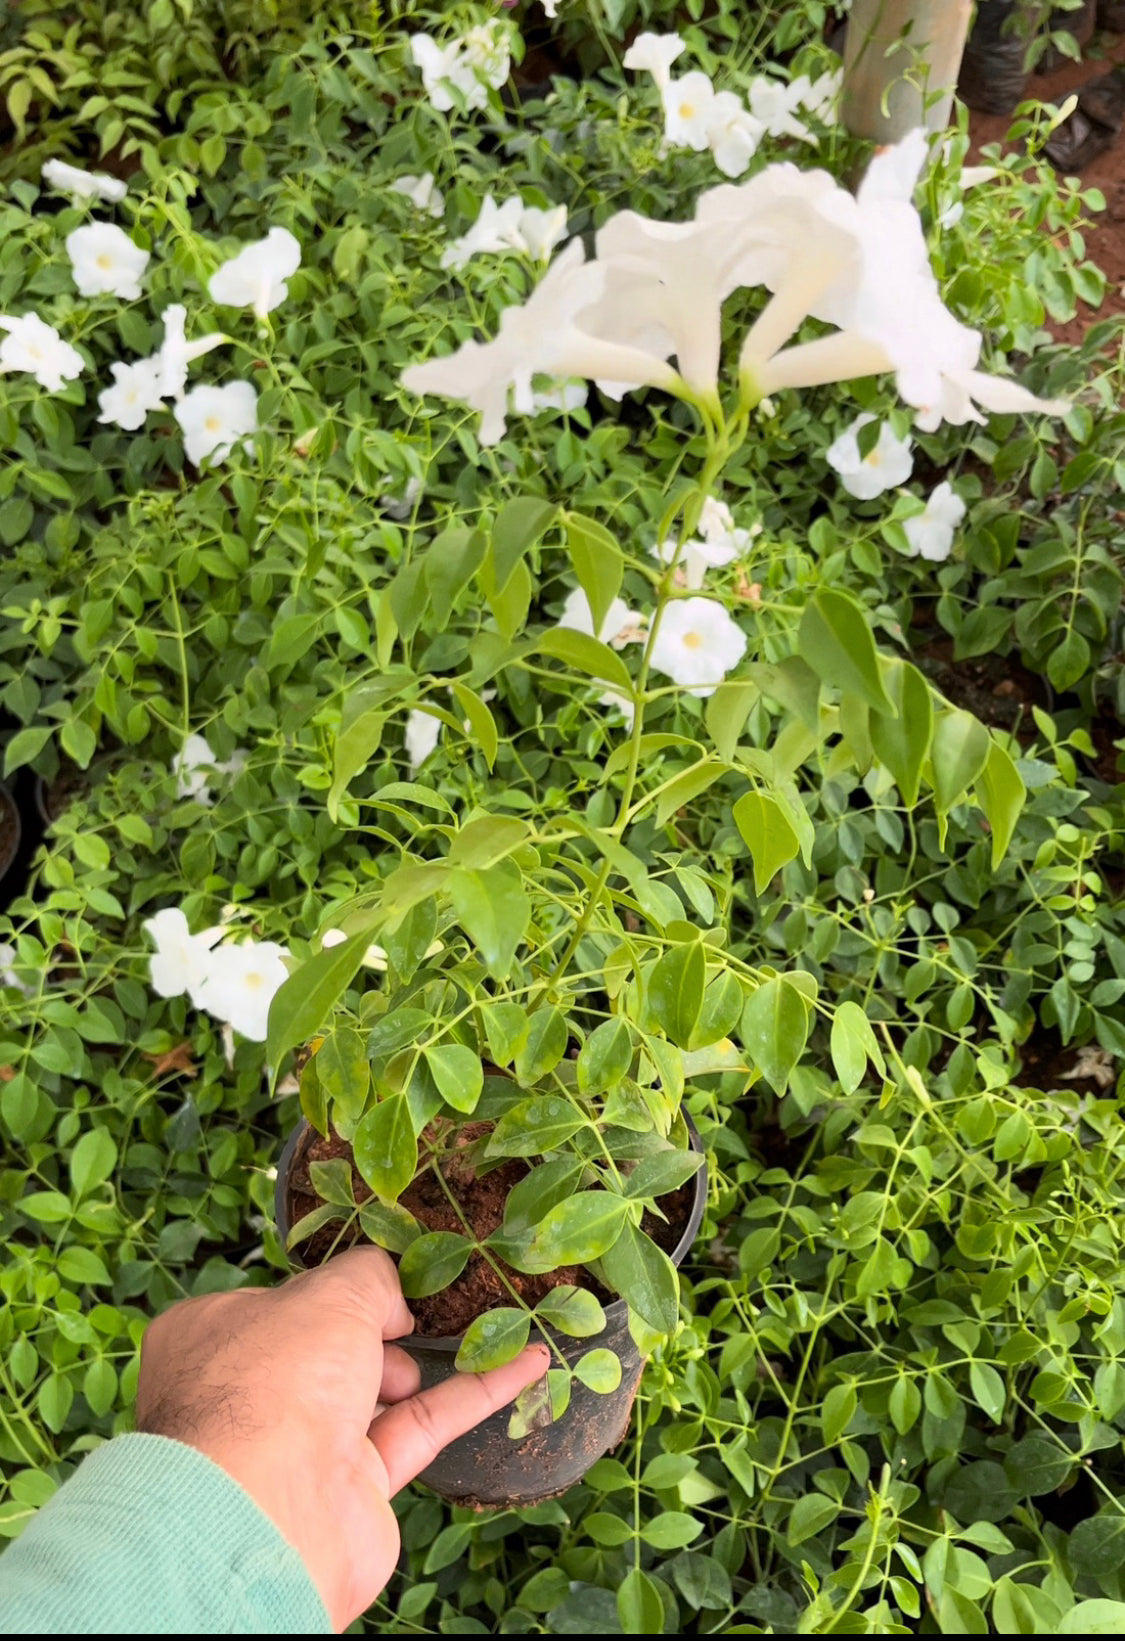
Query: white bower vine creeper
931	533
195	762
33	346
105	262
180	962
887	464
241	983
256	277
421	192
620	625
214	419
83	186
697	643
136	390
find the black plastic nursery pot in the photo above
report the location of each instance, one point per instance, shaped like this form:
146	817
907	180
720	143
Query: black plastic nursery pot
487	1469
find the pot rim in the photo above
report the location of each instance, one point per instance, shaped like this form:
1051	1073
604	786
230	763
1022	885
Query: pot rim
448	1344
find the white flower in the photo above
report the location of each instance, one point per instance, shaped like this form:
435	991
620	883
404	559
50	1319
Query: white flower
444	67
492	231
176	352
722	543
421	193
423	731
512	226
34	346
733	134
620	625
773	105
887	464
8	976
82	185
543	337
104	261
654	54
539	231
214	419
256	277
562	396
241	983
665	283
860	264
487	50
930	534
181	960
192	763
688	110
136	390
697	644
715	519
820	96
468	66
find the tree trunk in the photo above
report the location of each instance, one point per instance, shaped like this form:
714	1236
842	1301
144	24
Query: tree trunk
900	65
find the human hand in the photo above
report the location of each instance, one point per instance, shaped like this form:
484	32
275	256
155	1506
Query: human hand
294	1392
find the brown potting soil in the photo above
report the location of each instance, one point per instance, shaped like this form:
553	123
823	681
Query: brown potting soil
1105	239
482	1200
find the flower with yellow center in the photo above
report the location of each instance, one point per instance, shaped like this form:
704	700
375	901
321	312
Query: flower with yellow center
215	419
697	643
105	262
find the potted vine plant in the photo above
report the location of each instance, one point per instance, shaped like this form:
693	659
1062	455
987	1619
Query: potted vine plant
506	1117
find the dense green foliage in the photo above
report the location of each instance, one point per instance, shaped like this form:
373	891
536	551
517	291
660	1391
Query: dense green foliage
896	1399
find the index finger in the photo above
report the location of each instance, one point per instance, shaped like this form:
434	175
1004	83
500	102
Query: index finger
363	1279
410	1435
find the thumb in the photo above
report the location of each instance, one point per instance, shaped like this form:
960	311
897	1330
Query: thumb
410	1435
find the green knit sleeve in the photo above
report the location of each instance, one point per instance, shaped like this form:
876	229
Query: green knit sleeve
151	1537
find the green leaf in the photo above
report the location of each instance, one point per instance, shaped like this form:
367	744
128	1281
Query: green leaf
581	653
960	750
307	998
853	1043
644	1276
506	1026
494	1338
332	1181
988	1390
385	1149
485	841
905	1404
450	563
583	1227
482	724
598	564
902	744
432	1261
663	1171
344	1074
1097	1546
494	911
605	1057
327	1214
92	1161
570	1310
834	638
671	1530
775	1029
837	1412
458	1073
1001	794
685	789
519	524
768	833
599	1370
1096	1617
810	1516
674	990
535	1125
1037	1465
395	1029
544	1048
388	1225
639	1605
726	713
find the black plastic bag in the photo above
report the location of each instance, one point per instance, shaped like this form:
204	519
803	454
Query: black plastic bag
994	70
